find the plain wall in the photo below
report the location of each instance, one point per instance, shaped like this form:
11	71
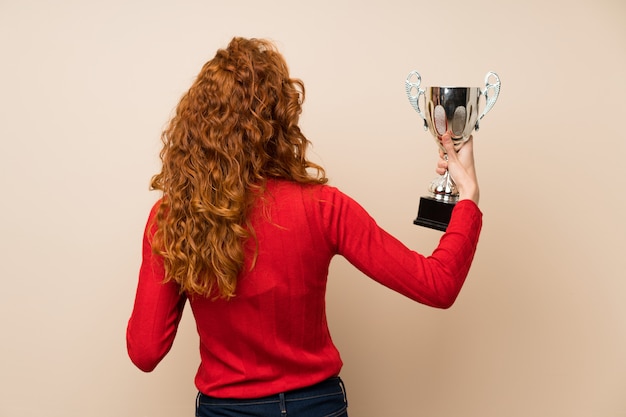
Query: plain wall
540	327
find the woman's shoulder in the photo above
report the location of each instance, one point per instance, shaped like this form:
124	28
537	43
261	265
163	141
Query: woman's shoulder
155	206
316	191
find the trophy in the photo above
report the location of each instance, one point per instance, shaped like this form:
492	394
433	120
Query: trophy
454	110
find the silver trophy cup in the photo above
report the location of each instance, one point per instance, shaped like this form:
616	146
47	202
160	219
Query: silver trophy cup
454	110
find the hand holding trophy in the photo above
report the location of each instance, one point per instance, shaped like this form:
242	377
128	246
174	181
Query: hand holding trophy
452	110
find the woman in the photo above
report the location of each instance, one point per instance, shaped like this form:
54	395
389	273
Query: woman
246	230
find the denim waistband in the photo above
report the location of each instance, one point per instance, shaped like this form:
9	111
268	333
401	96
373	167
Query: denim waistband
332	385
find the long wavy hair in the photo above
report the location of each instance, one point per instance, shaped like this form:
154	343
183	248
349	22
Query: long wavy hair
236	127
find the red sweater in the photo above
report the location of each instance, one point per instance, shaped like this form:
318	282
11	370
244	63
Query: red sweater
273	336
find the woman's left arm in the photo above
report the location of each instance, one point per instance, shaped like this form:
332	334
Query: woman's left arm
157	310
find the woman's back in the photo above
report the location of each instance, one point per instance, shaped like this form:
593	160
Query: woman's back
273	336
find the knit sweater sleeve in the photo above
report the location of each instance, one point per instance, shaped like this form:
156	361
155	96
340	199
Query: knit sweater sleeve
433	280
157	310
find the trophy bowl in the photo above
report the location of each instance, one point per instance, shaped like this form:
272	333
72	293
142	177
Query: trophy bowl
448	109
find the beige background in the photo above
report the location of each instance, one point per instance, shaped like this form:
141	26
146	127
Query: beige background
539	329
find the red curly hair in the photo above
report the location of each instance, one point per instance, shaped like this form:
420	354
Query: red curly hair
236	127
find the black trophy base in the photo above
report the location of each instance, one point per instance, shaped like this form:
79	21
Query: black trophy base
434	213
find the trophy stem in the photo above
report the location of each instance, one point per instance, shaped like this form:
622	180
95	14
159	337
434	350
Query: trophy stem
444	189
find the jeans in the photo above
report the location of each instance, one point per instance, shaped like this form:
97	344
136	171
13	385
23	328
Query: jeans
326	399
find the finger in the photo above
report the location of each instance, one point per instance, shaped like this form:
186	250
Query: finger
441	169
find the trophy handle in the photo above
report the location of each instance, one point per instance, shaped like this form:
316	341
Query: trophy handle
414	98
491	93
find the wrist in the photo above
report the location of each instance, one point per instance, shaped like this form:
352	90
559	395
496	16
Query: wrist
473	193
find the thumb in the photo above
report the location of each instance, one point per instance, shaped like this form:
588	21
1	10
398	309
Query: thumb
448	146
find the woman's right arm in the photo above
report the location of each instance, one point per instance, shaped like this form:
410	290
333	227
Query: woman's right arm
434	280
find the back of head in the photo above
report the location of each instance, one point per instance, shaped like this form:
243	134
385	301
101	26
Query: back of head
233	129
